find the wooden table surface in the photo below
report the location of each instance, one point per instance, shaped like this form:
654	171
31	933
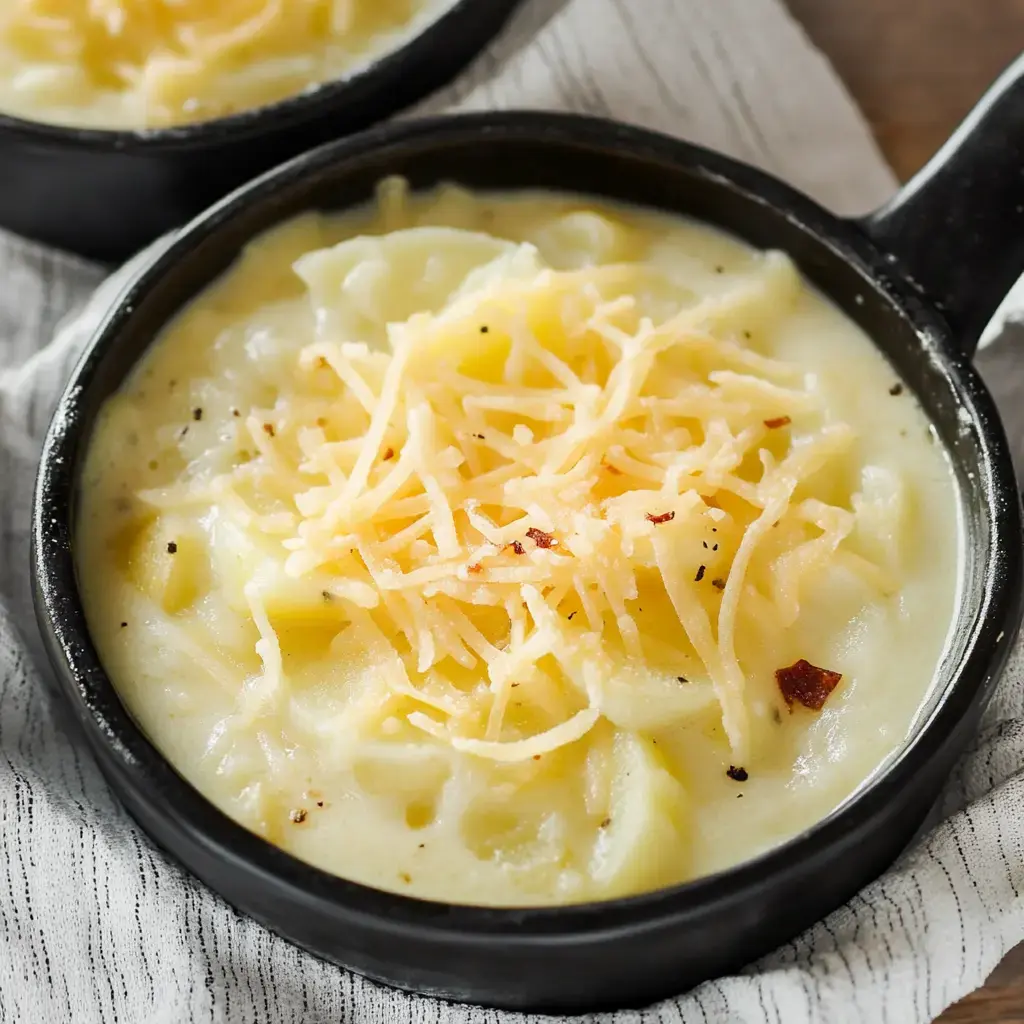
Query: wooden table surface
916	67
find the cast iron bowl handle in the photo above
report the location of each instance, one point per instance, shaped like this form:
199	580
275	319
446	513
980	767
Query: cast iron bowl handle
957	227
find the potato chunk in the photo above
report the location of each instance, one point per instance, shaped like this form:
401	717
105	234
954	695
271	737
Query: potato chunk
642	843
168	563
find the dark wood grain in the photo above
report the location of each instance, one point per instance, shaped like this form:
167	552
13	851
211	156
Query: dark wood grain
916	67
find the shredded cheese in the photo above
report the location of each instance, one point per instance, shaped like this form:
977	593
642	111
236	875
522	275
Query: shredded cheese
528	472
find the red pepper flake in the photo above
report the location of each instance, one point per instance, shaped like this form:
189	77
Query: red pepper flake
172	548
718	583
298	816
268	429
664	517
606	822
389	453
540	538
197	414
737	774
896	390
474	567
778	421
608	467
807	684
517	547
700	574
536	757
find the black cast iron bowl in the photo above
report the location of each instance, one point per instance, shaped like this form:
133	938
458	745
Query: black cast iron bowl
105	194
955	236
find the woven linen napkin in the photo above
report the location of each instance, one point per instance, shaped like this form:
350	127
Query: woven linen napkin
98	927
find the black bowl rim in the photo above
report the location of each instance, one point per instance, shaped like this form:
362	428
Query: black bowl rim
125	752
372	77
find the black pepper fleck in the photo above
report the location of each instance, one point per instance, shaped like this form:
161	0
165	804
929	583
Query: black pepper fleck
571	614
172	548
124	625
606	822
682	679
700	574
896	389
298	816
197	414
737	774
484	329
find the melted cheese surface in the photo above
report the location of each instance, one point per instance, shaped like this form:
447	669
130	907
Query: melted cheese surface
156	63
453	545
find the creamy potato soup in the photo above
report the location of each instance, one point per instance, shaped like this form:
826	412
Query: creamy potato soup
517	549
153	63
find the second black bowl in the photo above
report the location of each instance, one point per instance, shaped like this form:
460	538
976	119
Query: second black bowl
105	194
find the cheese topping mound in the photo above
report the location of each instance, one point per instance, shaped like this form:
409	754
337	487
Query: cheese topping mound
503	485
479	558
176	61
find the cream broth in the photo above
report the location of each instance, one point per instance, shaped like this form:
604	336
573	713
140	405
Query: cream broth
470	546
128	64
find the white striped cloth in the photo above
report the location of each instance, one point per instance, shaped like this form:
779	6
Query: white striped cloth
97	927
